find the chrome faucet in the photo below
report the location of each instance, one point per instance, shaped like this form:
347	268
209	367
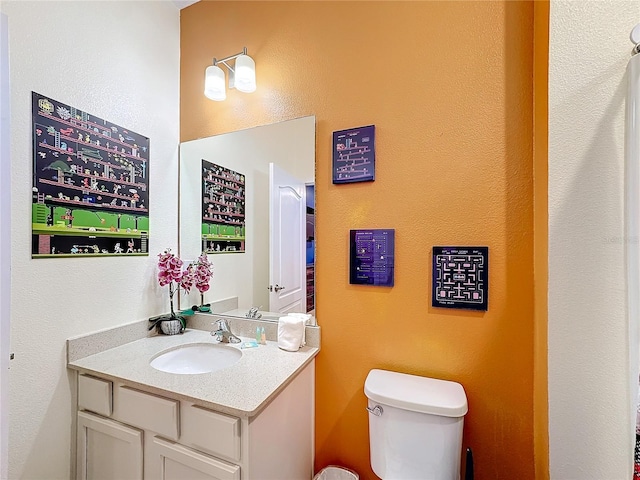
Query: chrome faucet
253	312
223	332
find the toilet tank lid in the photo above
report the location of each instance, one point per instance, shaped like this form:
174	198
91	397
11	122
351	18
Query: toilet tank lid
417	394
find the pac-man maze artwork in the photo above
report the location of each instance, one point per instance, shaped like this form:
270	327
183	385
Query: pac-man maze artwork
460	277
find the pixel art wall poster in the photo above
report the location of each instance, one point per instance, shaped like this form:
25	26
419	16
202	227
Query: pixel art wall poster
460	277
90	193
354	155
372	257
223	209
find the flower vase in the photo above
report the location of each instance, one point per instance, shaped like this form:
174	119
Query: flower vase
168	324
171	326
174	324
203	307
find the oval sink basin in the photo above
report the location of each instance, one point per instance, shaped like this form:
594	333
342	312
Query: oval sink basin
196	358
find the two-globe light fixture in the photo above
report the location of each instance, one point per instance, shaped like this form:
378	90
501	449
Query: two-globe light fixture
242	77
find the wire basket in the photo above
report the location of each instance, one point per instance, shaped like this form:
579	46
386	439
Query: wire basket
333	472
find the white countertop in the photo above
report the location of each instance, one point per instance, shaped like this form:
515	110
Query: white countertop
241	389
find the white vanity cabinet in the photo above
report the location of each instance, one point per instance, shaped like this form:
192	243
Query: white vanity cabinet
129	433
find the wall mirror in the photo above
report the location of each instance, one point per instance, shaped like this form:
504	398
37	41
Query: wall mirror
247	199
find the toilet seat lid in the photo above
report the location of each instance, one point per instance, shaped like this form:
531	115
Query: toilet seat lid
415	393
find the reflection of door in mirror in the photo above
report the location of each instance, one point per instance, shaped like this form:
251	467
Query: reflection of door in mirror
247	153
287	242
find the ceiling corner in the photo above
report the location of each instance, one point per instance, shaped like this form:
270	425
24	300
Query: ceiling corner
183	3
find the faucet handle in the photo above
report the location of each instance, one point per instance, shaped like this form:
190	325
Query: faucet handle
222	324
253	312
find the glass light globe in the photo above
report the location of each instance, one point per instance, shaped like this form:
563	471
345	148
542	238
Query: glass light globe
245	80
214	87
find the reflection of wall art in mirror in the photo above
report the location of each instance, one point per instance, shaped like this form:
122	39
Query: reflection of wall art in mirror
223	209
90	184
354	155
460	277
372	257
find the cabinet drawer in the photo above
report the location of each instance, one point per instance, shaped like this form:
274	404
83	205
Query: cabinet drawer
147	411
95	395
210	432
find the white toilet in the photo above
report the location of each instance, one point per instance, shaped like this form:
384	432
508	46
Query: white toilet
415	426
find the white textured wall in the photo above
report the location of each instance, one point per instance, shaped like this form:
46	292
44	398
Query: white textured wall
118	61
5	247
589	428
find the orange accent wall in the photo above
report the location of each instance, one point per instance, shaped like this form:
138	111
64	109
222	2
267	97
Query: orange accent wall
449	86
541	234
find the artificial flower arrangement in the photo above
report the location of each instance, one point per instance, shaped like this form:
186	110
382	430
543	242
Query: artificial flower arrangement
170	272
203	274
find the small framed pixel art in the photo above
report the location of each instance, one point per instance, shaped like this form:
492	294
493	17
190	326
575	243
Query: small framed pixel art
354	155
372	257
460	277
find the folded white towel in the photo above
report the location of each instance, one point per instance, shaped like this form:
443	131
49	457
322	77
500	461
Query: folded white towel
305	316
291	333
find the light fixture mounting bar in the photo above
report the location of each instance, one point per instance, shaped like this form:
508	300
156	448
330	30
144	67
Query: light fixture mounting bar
230	57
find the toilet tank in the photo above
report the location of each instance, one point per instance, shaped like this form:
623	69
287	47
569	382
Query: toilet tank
415	426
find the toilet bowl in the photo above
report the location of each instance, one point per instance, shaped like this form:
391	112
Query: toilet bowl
415	426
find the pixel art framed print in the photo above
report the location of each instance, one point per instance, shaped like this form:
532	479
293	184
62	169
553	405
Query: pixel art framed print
223	209
354	155
372	257
90	192
460	277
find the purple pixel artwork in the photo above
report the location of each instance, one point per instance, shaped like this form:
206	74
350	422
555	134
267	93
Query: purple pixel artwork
372	257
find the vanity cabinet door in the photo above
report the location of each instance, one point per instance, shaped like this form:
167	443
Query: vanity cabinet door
173	461
108	450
